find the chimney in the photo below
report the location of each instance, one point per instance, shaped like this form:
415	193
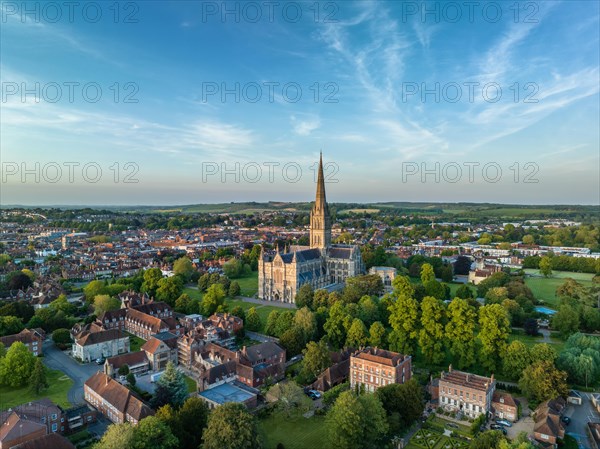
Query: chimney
450	368
492	381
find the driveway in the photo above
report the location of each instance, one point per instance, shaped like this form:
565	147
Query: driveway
580	415
59	360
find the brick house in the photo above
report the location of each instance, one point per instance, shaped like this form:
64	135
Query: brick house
16	429
465	392
114	400
32	338
548	428
49	441
136	361
504	406
90	346
43	411
161	349
372	368
337	373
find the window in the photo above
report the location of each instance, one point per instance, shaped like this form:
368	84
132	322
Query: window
54	427
89	418
54	416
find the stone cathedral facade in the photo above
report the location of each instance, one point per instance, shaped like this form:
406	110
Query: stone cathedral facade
323	265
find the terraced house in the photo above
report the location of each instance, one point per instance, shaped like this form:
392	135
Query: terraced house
372	368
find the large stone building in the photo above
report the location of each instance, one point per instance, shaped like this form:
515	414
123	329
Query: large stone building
322	265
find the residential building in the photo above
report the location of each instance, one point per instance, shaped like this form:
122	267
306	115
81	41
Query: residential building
387	275
16	429
32	338
161	349
371	368
137	362
593	429
337	373
596	401
504	406
465	392
49	441
90	346
114	400
548	427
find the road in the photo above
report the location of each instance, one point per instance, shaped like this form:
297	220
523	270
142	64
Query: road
284	305
580	415
59	360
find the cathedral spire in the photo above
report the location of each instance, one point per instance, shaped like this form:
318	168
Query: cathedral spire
320	200
320	220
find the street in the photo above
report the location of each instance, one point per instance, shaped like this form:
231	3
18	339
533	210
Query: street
59	360
580	415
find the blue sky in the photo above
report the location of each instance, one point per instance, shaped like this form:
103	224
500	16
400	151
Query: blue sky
370	63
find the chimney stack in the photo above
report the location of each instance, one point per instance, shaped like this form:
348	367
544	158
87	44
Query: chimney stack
450	368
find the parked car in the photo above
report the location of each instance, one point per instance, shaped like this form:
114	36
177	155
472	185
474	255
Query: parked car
504	422
100	361
313	394
122	378
566	420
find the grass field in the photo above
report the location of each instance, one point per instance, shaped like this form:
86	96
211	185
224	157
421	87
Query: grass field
57	392
191	384
193	293
293	433
135	343
544	289
529	341
248	284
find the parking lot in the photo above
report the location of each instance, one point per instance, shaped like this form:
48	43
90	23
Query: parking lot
580	415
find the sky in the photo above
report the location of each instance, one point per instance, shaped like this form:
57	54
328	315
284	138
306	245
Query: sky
165	103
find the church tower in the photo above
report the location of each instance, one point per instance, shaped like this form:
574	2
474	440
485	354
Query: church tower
320	221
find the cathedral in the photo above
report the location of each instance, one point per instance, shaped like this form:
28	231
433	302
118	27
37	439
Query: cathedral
322	265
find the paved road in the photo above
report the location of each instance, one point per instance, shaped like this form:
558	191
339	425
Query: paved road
57	359
285	305
580	415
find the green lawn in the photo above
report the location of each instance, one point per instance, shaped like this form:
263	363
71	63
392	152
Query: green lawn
191	384
57	392
294	433
135	343
544	289
193	292
248	284
556	342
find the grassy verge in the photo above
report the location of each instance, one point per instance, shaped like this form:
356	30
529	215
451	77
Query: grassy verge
191	384
135	343
60	385
248	284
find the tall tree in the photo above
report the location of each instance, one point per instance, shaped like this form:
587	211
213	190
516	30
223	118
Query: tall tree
494	331
104	303
403	287
377	336
305	320
16	366
403	404
546	266
213	298
170	385
356	422
516	359
542	381
404	320
192	418
183	267
290	398
152	433
271	326
169	289
253	322
335	326
38	380
566	320
427	274
460	332
231	426
151	278
316	359
357	334
117	436
431	335
304	297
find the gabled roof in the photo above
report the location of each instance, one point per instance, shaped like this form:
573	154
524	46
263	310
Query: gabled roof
14	426
93	338
261	351
49	441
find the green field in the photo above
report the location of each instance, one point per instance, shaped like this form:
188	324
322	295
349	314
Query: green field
135	343
293	433
248	284
191	384
529	341
193	292
544	289
57	392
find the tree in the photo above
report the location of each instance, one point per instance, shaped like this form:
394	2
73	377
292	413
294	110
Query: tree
234	268
285	321
542	381
357	334
152	433
117	436
123	370
131	379
494	331
377	335
516	359
192	418
151	278
460	332
10	325
305	320
38	380
253	322
427	274
487	440
404	313
496	295
183	304
304	296
431	335
530	326
581	359
403	287
546	266
104	303
234	289
290	398
169	289
356	422
17	280
292	340
566	320
462	266
61	338
403	404
16	366
447	275
272	318
203	282
231	426
542	351
183	267
464	292
171	385
335	326
368	310
213	298
316	359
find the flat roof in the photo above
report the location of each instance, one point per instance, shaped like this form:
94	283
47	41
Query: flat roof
226	393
